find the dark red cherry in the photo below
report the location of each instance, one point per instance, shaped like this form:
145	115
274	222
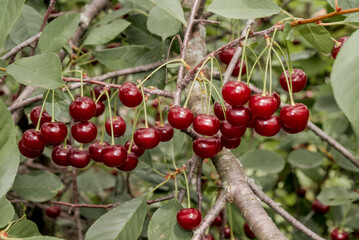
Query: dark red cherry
35	114
230	143
300	192
166	132
229	131
226	55
33	140
227	232
130	95
147	138
237	67
28	152
248	231
299	80
78	158
217	221
276	97
267	127
180	118
206	147
236	93
100	108
54	132
130	163
208	237
114	156
338	234
239	116
206	124
95	150
84	132
294	119
336	48
262	106
119	126
98	90
117	6
217	109
53	212
220	145
189	218
59	155
134	148
82	109
319	207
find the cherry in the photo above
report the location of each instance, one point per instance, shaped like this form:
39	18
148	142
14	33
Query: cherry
33	140
189	218
53	212
236	93
262	106
267	127
114	156
98	90
319	207
130	95
54	132
248	231
95	150
100	108
180	118
35	114
294	118
229	131
300	192
336	48
299	80
134	148
78	158
237	68
206	147
28	152
217	221
230	143
227	232
130	163
276	97
206	124
338	234
208	237
239	116
82	109
226	55
84	132
119	126
59	155
220	145
117	6
147	138
217	109
166	132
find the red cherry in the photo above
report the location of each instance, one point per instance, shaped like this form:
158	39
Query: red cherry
248	231
189	218
100	108
147	138
338	234
227	232
336	48
134	148
236	93
119	126
180	118
206	147
299	80
28	152
130	95
217	109
206	124
130	163
114	156
294	118
33	140
300	192
230	143
319	207
98	90
78	158
166	132
237	67
267	127
220	145
276	97
229	131
53	212
217	221
82	109
59	155
262	106
226	55
239	116
208	237
117	6
84	132
54	132
35	113
95	150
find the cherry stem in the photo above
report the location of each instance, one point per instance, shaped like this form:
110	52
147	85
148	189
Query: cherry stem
103	126
144	108
160	110
159	185
110	112
176	187
289	15
270	74
65	142
68	90
345	217
219	96
202	85
82	82
187	186
42	109
210	89
219	69
136	114
268	57
115	103
99	97
230	220
81	146
244	46
256	62
290	68
12	222
205	93
53	106
260	67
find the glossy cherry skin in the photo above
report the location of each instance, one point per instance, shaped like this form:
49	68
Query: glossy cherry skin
207	125
82	109
134	148
299	80
262	106
336	48
276	97
267	127
230	143
114	156
180	118
208	237
217	109
239	116
229	131
206	147
35	113
226	55
59	155
130	163
53	212
84	132
147	138
217	221
319	207
33	140
237	68
27	152
166	132
248	231
98	90
119	126
100	108
338	234
95	150
227	232
78	158
189	218
236	93
130	95
294	119
54	132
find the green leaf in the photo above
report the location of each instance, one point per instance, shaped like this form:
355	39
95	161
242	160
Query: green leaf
9	152
37	186
344	4
42	70
171	148
138	34
95	180
10	10
7	211
62	103
3	64
317	36
288	33
344	163
303	158
122	222
335	124
353	18
58	32
113	16
23	228
244	9
335	195
173	8
106	32
163	224
263	160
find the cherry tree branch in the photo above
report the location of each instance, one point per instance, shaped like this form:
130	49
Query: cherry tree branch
21	46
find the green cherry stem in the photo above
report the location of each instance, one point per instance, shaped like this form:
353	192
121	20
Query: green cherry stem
260	67
218	95
158	186
267	64
256	62
98	99
160	110
289	64
230	220
137	114
289	60
270	74
219	69
82	82
114	107
244	46
69	92
53	106
144	108
210	89
187	186
42	109
110	112
103	126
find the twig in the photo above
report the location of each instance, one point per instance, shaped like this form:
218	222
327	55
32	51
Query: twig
24	103
199	183
76	199
73	205
204	21
192	162
21	46
161	199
